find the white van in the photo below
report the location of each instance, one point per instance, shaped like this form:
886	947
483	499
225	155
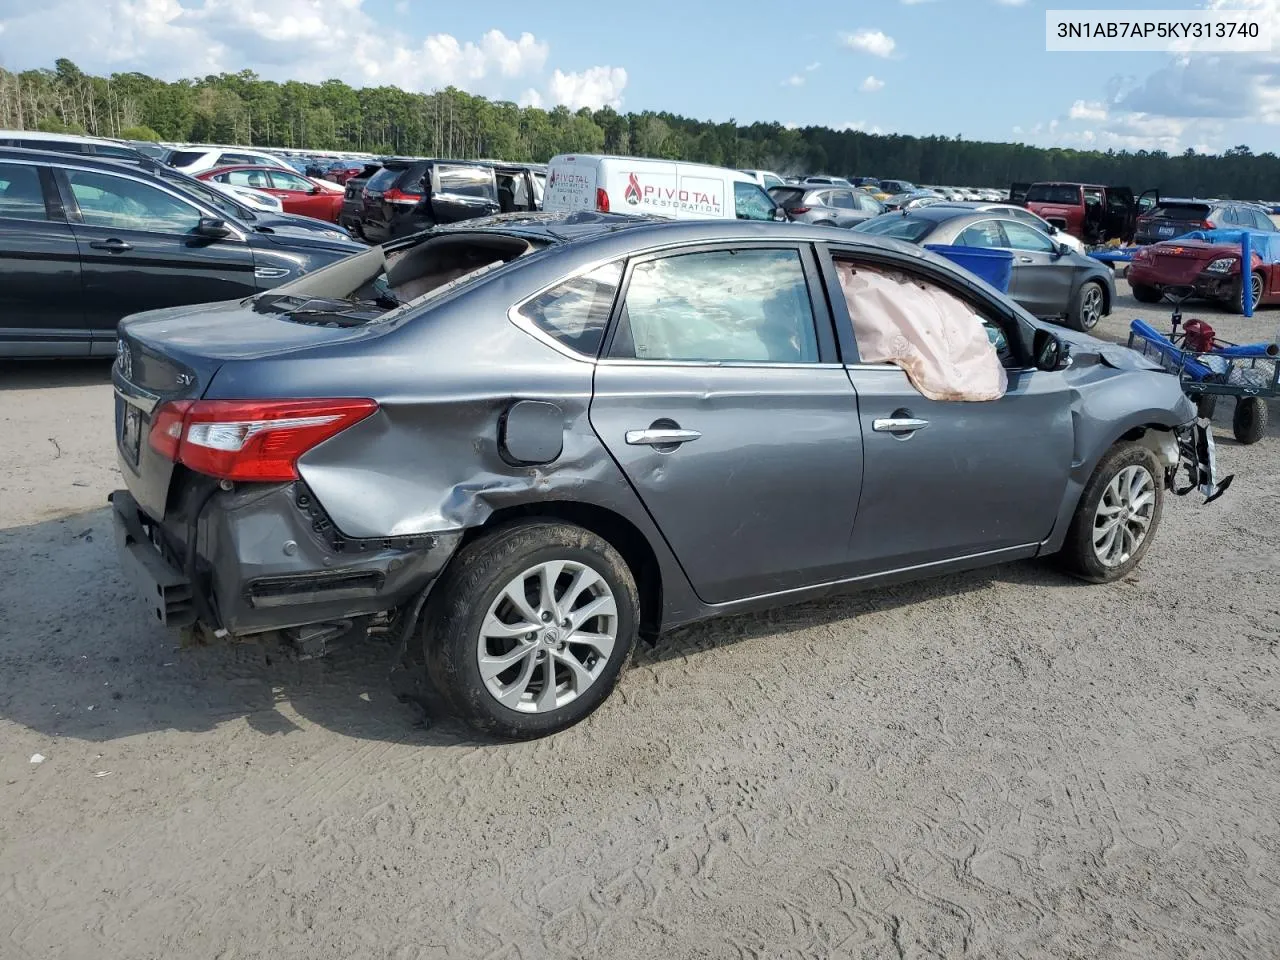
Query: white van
663	188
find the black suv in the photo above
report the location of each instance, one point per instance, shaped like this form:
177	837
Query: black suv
353	197
409	195
85	242
1173	217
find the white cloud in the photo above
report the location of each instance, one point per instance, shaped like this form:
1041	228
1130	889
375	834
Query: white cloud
795	80
789	125
1017	131
308	40
530	98
813	66
594	87
875	42
1087	110
858	125
871	85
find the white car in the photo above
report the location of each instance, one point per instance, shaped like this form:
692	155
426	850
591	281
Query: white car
1015	212
200	157
767	179
256	199
662	188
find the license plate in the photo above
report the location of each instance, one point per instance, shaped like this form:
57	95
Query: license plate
1165	232
130	431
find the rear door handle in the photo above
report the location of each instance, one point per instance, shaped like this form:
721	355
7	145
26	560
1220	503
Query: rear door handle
114	245
898	425
660	437
1024	260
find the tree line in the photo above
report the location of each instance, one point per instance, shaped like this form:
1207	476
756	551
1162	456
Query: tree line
244	109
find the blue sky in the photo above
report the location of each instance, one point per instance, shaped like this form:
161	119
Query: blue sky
977	68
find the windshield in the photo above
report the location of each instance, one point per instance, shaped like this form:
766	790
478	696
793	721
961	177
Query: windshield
215	198
1053	193
911	229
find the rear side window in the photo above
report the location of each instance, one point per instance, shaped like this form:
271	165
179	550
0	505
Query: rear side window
463	181
1182	211
116	153
257	179
184	158
730	305
236	159
1053	193
21	197
575	312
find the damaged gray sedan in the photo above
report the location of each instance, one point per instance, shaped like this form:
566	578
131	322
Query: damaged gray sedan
522	443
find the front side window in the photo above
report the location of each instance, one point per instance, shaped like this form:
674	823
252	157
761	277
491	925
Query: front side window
21	196
283	180
1059	193
869	204
122	204
751	203
726	305
1023	237
576	312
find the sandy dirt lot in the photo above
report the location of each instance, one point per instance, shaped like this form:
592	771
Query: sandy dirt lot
1000	764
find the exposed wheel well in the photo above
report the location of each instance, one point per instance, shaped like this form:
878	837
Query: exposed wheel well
620	532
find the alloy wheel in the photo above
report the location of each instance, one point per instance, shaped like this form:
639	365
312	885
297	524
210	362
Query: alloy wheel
1124	514
547	636
1091	307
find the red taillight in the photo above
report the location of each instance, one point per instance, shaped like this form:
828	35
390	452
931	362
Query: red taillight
602	200
399	196
166	428
1207	225
794	210
258	440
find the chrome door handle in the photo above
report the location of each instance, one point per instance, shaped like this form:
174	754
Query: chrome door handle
898	425
1024	260
654	437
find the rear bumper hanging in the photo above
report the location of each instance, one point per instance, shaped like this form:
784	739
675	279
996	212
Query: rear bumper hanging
1198	461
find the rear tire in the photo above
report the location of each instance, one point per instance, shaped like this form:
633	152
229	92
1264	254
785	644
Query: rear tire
1117	516
539	681
1144	294
1249	422
1087	307
1206	404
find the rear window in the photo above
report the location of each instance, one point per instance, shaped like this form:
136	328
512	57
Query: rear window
1053	193
464	181
1181	211
575	312
786	196
383	179
21	195
895	225
184	158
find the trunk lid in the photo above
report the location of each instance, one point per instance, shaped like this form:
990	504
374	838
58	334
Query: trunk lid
173	354
1176	264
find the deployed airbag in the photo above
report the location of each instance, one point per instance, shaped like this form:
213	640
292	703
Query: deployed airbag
934	336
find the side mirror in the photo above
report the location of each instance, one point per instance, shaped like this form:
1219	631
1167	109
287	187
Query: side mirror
779	215
1049	353
213	227
1063	250
313	191
1053	231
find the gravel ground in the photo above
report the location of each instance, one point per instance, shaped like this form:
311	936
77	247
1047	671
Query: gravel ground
999	764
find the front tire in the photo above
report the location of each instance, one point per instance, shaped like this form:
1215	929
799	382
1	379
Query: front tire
1086	307
1144	294
1117	516
530	627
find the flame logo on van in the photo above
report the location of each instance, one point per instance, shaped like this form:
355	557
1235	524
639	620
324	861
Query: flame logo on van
632	194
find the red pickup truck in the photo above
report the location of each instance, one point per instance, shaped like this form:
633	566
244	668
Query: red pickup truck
1089	211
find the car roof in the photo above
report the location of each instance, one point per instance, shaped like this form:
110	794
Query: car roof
244	166
116	164
54	137
942	212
